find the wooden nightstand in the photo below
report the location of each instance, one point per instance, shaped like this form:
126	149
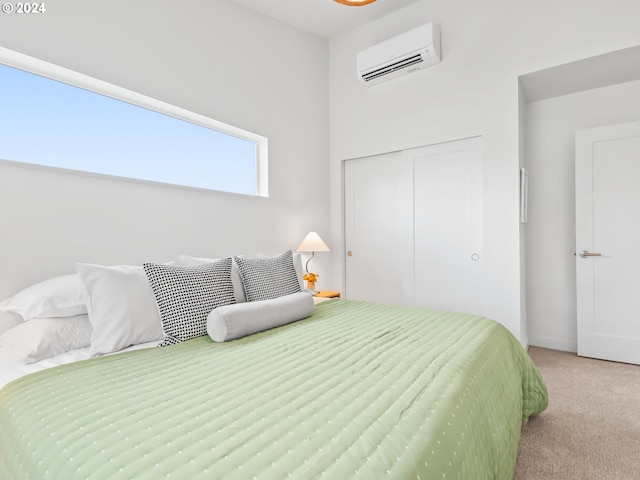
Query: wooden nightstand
327	294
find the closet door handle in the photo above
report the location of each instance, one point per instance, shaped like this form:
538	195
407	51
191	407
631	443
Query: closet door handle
587	253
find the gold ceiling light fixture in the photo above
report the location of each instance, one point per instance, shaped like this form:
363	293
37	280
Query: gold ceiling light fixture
355	3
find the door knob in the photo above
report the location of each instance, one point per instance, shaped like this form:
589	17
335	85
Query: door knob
587	253
349	253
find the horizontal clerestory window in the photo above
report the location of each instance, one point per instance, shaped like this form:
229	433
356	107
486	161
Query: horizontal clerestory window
54	117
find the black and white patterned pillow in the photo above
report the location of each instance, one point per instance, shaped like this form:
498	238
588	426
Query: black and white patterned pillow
186	295
267	278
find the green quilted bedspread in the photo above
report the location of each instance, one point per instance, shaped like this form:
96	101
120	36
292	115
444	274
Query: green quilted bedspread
357	391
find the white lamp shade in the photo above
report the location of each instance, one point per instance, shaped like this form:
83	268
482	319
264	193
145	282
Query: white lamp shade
312	243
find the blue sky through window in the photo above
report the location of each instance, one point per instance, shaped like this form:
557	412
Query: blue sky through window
46	122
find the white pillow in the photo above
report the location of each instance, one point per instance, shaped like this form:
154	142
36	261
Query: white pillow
236	279
241	319
46	337
122	307
8	321
57	297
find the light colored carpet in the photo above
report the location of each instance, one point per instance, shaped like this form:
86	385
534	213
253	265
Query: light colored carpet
591	429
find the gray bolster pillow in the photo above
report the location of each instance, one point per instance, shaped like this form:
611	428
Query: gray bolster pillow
229	322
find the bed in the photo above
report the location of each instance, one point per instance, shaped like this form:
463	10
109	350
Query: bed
355	390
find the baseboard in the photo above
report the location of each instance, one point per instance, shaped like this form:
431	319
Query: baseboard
554	344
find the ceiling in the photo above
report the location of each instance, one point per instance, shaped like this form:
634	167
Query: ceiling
323	18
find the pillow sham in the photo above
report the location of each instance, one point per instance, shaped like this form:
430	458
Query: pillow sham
186	295
236	321
46	337
121	305
268	278
236	280
297	264
61	296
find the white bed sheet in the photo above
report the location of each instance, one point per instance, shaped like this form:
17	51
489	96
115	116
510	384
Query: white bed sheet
11	368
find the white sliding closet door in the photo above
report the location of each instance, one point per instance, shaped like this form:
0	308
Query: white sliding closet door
448	225
378	226
413	227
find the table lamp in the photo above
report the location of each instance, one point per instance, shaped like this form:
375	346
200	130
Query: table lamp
311	243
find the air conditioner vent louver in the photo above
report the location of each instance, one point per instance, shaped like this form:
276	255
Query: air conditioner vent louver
387	69
405	53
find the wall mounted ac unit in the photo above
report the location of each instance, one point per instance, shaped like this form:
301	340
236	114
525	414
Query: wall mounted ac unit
405	53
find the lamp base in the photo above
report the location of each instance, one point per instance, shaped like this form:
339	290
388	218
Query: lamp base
311	285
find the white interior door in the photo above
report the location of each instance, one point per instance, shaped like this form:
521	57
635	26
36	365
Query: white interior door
448	225
607	239
378	223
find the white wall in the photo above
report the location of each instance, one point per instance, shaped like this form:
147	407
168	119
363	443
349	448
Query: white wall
485	47
550	154
214	58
